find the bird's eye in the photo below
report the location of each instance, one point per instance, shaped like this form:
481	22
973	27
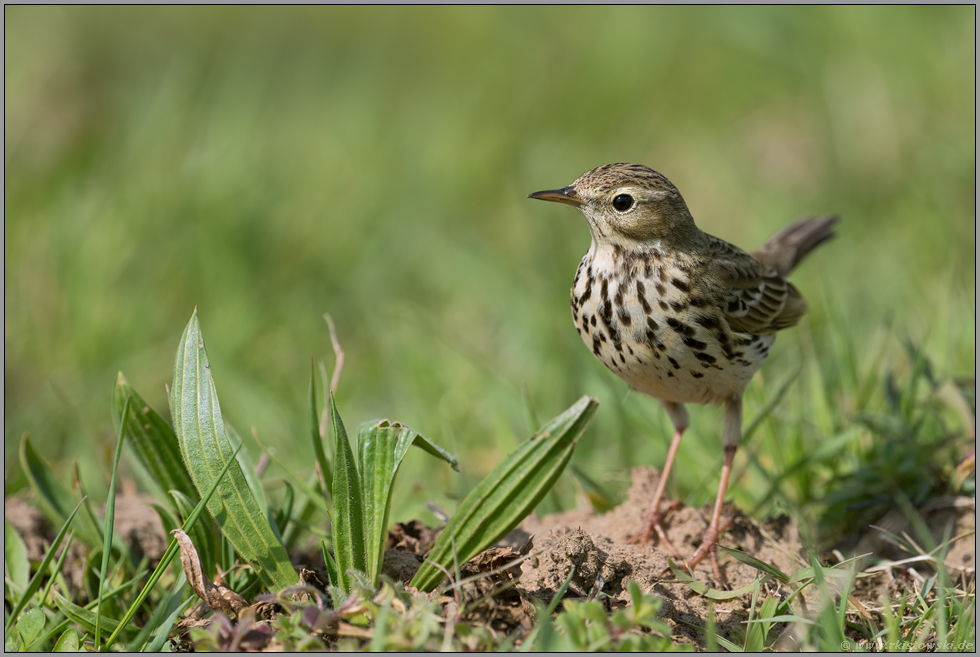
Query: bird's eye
623	202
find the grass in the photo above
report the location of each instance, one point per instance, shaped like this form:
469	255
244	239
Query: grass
270	164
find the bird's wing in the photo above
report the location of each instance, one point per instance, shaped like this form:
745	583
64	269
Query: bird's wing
754	298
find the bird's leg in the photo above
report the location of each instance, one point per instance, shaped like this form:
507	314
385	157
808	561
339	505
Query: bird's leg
709	543
654	519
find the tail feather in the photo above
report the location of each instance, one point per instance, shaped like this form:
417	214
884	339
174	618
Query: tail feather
788	247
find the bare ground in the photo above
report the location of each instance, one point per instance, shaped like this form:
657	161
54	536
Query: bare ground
605	559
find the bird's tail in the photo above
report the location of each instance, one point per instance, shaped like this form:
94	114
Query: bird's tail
788	247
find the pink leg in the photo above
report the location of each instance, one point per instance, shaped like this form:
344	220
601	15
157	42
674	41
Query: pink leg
654	520
709	544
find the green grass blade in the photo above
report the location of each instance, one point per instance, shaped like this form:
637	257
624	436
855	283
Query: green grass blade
333	571
152	443
171	552
508	493
110	520
348	504
749	560
55	572
149	638
54	498
321	455
35	582
206	450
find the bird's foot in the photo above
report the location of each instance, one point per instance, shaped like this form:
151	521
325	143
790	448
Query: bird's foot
709	548
654	527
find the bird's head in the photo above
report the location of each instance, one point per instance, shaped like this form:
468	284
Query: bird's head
627	205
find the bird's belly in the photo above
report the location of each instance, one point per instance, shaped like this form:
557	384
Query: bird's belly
662	347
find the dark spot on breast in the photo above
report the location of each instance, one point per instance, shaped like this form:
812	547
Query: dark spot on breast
641	294
707	321
647	269
652	324
592	320
702	356
697	302
622	358
680	285
605	289
661	290
669	373
696	375
678	305
697	345
624	316
663	304
596	344
680	327
673	362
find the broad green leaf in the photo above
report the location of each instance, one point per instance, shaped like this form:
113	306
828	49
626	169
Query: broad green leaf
382	445
88	618
206	450
507	494
32	586
347	527
30	625
15	563
67	642
152	443
251	476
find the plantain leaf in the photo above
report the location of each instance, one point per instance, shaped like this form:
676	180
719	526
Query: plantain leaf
16	567
508	494
152	443
67	642
206	450
88	618
348	504
382	445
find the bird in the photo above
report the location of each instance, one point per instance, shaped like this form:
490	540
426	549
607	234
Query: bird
678	314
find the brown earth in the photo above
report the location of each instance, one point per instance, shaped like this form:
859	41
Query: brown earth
605	560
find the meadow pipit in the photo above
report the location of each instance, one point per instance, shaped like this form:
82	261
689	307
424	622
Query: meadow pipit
676	313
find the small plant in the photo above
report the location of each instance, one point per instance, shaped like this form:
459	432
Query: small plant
588	627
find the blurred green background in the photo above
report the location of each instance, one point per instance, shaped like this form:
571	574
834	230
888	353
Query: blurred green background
272	164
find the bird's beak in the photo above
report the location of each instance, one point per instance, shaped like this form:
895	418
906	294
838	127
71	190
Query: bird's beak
564	195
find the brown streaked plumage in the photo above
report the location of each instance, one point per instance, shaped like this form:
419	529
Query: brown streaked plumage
679	314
